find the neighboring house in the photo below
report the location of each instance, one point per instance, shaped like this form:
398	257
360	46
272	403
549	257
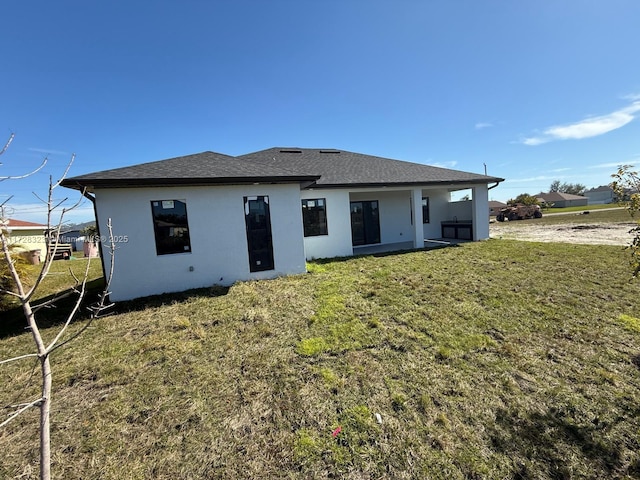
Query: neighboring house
74	235
560	200
495	207
600	195
27	236
210	218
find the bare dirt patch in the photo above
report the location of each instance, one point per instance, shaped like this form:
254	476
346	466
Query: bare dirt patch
587	234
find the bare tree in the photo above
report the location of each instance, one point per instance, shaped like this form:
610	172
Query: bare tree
626	186
30	308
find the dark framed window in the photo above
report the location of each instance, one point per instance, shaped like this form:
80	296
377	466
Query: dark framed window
171	226
425	209
314	217
257	218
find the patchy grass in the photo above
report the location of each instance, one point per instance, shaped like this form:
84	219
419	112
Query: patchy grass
497	359
583	208
58	281
619	215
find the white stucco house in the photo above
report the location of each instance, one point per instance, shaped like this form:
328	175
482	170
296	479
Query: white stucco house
209	218
601	195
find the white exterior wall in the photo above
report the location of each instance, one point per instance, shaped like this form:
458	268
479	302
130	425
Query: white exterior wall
480	212
217	231
418	223
462	210
442	209
395	217
338	242
395	213
438	212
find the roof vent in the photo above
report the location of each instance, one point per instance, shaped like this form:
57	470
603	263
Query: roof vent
290	150
329	151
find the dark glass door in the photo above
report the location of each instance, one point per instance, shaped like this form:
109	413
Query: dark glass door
365	223
258	222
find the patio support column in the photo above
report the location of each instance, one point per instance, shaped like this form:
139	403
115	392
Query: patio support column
418	229
480	212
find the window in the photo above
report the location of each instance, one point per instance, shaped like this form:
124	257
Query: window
171	226
259	242
314	217
425	209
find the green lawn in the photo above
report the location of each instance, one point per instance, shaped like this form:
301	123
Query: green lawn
594	216
582	208
497	359
59	280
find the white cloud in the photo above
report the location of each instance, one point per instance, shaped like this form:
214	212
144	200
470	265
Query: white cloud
481	125
535	141
450	164
558	170
590	127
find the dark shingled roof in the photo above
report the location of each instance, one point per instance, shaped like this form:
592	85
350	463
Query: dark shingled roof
325	167
206	168
342	168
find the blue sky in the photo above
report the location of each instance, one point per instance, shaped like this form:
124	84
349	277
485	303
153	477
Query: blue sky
536	90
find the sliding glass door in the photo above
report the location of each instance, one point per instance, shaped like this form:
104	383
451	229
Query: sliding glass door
365	222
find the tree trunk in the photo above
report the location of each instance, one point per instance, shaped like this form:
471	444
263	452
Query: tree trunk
45	402
45	430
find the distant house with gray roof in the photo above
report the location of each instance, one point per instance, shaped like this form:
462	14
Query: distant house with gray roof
560	200
495	206
210	218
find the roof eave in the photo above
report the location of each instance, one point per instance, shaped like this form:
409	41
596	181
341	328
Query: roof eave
79	184
444	183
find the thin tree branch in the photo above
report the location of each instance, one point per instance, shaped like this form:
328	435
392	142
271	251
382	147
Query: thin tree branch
28	355
3	204
74	310
18	177
27	383
50	255
9	292
26	407
39	198
52	301
66	171
60	203
6	145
